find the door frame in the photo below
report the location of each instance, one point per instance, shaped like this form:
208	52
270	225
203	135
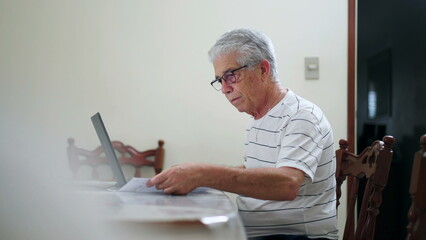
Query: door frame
351	88
351	74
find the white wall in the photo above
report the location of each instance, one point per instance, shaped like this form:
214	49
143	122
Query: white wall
143	65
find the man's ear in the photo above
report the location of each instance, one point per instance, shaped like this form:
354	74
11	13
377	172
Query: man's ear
265	68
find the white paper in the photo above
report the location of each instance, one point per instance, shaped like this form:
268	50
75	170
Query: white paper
139	185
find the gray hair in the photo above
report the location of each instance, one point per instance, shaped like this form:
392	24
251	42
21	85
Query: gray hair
251	46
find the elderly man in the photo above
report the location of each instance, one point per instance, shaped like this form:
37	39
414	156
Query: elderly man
286	187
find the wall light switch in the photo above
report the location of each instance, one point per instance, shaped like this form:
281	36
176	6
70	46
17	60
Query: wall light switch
311	67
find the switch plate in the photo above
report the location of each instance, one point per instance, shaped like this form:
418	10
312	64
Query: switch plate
311	67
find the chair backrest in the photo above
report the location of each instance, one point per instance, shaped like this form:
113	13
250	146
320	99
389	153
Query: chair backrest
417	214
374	165
127	155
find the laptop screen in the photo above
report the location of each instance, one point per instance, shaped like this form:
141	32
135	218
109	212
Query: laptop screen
108	149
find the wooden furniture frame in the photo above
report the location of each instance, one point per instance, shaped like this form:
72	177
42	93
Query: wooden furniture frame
126	154
417	214
373	164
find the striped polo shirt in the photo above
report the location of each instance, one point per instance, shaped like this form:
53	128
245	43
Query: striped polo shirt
295	133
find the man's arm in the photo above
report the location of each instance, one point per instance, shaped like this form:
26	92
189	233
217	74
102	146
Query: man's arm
279	184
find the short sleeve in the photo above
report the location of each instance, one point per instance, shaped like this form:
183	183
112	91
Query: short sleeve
301	143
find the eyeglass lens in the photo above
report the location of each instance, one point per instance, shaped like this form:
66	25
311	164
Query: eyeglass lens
229	78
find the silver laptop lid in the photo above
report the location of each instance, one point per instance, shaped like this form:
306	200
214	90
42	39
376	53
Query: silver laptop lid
108	149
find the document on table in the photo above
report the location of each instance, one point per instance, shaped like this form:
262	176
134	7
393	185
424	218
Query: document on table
139	185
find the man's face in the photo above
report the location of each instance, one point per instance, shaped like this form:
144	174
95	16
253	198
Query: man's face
241	94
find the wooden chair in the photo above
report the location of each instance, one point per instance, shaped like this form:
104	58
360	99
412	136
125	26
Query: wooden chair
374	165
417	214
127	155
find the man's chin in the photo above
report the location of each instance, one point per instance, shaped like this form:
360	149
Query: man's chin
239	108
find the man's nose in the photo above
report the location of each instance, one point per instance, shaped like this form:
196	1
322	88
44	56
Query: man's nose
226	88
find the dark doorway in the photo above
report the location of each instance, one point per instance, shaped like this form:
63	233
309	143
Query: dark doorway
391	95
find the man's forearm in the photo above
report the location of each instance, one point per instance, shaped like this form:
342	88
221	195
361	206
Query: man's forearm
262	183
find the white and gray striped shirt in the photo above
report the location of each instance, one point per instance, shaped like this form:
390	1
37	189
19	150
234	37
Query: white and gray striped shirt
295	133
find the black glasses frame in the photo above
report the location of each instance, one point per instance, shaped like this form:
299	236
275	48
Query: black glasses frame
220	79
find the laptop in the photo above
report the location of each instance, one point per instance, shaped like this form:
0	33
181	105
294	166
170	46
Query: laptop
109	151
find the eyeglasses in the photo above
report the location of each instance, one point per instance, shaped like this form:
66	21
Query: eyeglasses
229	77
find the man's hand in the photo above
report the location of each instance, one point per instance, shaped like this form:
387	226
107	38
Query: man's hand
180	179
